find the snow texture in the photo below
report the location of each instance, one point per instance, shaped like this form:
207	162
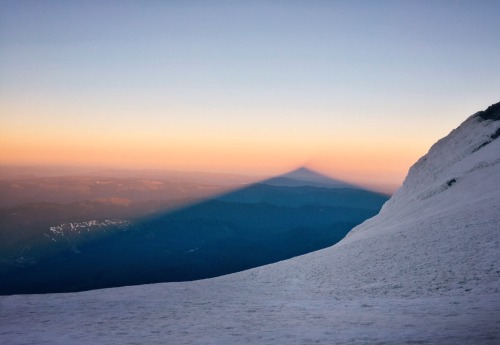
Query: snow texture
423	271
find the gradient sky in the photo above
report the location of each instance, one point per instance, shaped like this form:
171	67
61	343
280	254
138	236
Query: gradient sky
356	89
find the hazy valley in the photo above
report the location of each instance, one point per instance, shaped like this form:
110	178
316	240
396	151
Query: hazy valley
104	232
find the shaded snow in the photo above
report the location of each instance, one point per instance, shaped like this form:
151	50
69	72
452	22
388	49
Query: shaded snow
425	270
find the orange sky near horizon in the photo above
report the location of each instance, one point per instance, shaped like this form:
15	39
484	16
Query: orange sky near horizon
378	156
361	166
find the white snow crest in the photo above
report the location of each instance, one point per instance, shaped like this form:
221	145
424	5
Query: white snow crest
432	173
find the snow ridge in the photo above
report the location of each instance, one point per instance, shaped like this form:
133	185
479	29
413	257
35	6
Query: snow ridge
435	170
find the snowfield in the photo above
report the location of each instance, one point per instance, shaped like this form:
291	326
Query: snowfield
424	271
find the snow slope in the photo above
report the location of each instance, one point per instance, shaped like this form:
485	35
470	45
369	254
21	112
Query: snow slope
426	270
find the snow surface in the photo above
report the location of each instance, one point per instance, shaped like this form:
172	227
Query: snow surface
424	271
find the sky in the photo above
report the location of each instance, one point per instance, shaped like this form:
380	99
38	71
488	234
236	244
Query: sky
358	90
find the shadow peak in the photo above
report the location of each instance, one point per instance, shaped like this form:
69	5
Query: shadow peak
305	176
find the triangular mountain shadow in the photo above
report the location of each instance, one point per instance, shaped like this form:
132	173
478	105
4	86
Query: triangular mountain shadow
302	187
304	176
256	225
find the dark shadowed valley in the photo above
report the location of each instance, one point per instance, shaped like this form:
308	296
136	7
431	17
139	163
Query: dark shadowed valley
76	233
